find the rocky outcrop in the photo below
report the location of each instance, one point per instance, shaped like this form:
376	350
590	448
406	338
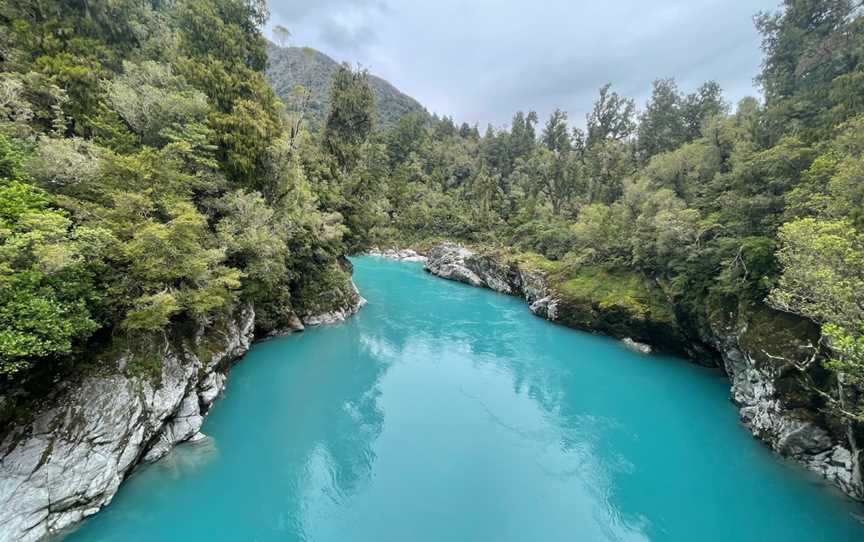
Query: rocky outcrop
636	346
405	255
772	360
69	460
353	303
455	262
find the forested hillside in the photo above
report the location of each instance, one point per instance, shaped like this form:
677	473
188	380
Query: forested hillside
728	208
147	182
312	71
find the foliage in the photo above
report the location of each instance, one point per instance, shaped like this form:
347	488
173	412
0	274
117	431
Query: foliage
351	116
144	179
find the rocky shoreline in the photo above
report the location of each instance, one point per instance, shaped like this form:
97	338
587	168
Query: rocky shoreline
770	370
70	459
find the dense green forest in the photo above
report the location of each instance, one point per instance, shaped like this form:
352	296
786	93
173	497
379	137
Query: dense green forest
146	179
726	208
150	176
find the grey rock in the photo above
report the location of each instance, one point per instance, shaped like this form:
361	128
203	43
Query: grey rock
642	348
70	460
455	262
406	255
785	431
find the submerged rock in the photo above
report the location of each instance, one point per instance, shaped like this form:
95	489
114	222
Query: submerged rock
642	348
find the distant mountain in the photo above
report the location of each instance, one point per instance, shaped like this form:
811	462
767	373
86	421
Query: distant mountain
290	66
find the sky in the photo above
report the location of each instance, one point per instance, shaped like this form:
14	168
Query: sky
482	60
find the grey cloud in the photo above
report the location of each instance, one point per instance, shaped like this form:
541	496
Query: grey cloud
481	60
342	37
291	10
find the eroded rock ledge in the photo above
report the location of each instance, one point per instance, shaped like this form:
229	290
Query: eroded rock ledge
69	461
772	359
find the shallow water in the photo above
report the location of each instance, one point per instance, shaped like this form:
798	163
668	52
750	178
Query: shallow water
445	412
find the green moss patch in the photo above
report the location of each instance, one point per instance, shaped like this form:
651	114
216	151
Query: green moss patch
608	290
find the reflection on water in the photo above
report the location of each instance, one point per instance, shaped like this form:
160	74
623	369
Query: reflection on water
444	412
185	459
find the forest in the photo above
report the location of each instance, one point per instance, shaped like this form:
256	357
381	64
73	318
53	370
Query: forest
150	177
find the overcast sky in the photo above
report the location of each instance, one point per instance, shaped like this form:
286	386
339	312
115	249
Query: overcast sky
482	60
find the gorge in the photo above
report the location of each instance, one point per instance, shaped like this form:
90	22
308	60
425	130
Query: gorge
178	193
439	407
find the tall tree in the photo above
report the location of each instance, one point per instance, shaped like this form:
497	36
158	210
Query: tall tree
813	62
555	136
700	106
612	117
351	116
282	35
661	125
522	134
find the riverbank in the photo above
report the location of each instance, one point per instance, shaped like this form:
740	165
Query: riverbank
80	442
772	359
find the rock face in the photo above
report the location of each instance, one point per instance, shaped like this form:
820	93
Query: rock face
69	461
772	360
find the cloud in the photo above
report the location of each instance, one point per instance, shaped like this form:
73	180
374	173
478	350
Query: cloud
481	60
342	36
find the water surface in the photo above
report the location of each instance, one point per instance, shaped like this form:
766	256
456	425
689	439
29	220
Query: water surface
449	413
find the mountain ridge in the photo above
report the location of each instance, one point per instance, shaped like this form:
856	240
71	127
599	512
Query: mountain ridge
288	67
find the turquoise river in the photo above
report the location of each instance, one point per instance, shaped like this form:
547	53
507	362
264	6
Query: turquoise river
443	412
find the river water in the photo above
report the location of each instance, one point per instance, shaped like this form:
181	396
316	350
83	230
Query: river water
443	412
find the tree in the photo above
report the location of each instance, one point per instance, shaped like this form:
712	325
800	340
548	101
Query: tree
351	116
813	58
547	173
47	293
700	106
282	35
555	136
823	279
610	118
662	126
522	135
406	137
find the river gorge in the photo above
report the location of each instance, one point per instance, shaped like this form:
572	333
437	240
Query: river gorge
446	412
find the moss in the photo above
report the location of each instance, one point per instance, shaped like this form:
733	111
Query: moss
213	340
777	338
619	303
608	290
146	365
531	261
